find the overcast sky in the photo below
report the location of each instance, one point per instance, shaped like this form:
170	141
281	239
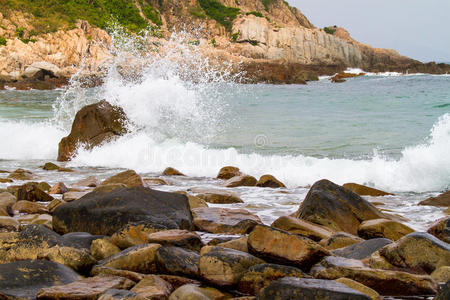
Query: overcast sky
419	29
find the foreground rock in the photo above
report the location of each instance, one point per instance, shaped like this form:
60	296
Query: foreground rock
301	227
89	288
93	125
418	251
224	220
23	279
122	206
442	200
228	172
224	266
279	246
269	181
336	207
385	282
363	190
241	180
441	229
383	228
305	289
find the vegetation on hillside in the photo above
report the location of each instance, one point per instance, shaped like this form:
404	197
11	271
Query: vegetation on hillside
330	30
219	12
2	41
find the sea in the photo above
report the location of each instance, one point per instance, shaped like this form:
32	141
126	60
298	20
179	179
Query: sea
389	131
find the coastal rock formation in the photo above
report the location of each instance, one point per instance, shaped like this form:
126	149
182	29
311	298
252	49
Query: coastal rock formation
441	229
93	125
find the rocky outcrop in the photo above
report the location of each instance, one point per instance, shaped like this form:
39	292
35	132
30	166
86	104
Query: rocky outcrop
93	125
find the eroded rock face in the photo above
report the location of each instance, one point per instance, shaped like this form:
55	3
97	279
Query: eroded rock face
93	125
336	207
23	279
106	213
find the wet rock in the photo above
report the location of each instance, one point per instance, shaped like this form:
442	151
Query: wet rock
21	174
224	266
194	201
43	219
441	274
90	181
133	235
123	206
179	238
140	259
340	240
77	259
88	288
31	192
72	196
336	207
362	250
103	248
360	287
220	197
108	187
418	251
93	125
224	220
28	207
241	180
376	261
5	180
259	276
23	279
239	244
130	178
8	224
153	287
385	282
282	247
54	204
383	228
80	239
220	239
194	292
154	181
177	261
7	200
291	288
115	294
177	281
441	229
363	190
59	188
228	172
50	166
44	186
302	227
133	276
269	181
442	200
172	172
444	292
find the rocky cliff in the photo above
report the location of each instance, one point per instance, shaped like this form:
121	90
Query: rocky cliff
271	40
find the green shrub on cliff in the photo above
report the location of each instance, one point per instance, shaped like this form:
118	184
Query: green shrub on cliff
267	3
151	13
224	15
255	13
2	41
330	30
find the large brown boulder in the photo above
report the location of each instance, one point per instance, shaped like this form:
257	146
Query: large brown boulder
440	200
336	207
93	125
106	213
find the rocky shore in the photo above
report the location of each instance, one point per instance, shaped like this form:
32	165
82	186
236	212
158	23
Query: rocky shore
121	238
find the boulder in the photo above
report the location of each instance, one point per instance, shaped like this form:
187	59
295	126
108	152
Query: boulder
140	259
133	235
259	276
29	207
90	181
224	266
291	288
336	207
239	244
58	188
148	182
172	172
129	178
441	274
363	190
7	200
179	238
442	200
93	125
441	229
177	261
224	220
72	196
383	228
194	201
8	224
54	204
120	207
43	219
220	197
133	276
23	279
302	227
269	181
31	192
103	248
21	174
153	287
115	294
241	180
362	250
177	281
77	259
418	251
194	292
88	288
385	282
228	172
282	247
340	240
50	166
359	287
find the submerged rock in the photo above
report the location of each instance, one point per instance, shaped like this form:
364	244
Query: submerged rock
363	190
224	220
93	125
